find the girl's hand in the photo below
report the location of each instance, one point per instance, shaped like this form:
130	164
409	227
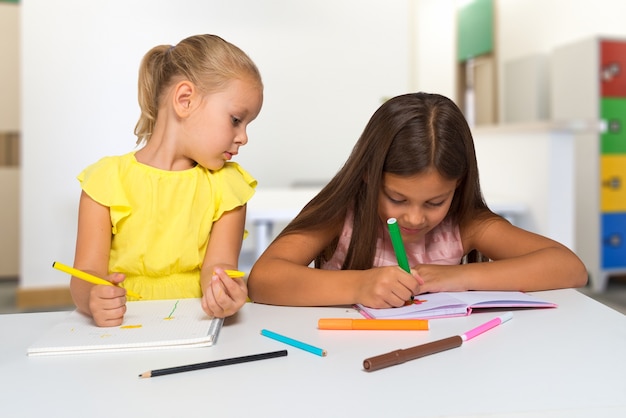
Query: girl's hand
224	295
386	287
442	278
107	304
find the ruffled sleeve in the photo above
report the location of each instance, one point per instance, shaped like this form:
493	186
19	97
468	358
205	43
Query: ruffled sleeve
235	188
101	181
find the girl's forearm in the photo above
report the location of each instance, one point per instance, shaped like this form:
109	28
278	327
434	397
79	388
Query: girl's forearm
281	282
545	269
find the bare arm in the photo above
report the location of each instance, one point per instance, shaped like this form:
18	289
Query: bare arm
522	261
106	304
222	295
281	276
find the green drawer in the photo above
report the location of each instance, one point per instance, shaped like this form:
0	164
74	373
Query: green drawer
613	112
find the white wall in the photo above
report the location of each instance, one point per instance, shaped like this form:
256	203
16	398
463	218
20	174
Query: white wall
326	65
528	27
532	164
433	46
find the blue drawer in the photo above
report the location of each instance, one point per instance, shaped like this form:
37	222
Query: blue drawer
613	240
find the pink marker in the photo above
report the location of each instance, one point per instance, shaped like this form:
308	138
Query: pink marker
487	326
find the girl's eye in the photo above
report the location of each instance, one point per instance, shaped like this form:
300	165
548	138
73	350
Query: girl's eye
235	120
396	201
435	204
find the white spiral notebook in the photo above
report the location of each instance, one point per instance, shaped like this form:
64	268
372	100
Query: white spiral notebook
148	325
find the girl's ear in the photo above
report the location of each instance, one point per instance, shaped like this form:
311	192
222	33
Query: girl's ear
184	95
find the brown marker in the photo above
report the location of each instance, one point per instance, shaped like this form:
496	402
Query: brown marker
400	356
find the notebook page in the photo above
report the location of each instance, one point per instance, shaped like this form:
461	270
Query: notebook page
147	325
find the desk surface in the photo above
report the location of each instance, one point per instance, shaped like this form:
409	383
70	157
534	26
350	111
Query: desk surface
563	362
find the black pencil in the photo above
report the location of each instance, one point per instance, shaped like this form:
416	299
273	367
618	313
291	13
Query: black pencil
215	363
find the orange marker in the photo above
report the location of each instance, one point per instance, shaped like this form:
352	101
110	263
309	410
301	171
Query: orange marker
373	324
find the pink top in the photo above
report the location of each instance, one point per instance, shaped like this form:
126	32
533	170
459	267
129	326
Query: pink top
442	245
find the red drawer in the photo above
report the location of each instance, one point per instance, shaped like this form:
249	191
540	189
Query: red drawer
613	68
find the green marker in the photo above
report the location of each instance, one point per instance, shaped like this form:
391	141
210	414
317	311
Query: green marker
398	247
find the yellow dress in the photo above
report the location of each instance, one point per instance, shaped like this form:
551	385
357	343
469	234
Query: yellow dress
161	220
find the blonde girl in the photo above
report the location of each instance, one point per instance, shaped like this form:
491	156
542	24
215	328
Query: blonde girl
167	220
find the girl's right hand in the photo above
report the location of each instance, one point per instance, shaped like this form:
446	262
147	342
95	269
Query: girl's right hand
387	287
107	304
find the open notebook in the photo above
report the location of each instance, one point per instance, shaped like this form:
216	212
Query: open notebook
449	304
154	324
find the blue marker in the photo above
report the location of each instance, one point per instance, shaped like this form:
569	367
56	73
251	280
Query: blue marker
298	344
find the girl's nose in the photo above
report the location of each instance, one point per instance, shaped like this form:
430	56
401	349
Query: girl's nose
242	138
414	218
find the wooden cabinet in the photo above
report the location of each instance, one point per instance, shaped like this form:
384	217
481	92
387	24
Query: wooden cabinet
9	222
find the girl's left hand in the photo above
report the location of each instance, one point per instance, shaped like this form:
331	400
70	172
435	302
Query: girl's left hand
224	295
442	278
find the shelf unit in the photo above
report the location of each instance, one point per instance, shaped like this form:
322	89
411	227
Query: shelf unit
588	81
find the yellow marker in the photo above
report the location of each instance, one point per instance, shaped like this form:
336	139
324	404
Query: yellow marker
235	273
89	277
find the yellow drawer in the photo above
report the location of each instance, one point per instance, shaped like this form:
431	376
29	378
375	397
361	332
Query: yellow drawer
612	177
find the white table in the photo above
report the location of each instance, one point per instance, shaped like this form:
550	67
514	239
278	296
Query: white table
563	362
270	206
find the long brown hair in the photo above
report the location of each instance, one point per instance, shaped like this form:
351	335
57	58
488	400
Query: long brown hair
208	61
407	135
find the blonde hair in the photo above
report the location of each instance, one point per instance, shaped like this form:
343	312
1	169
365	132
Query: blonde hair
208	61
